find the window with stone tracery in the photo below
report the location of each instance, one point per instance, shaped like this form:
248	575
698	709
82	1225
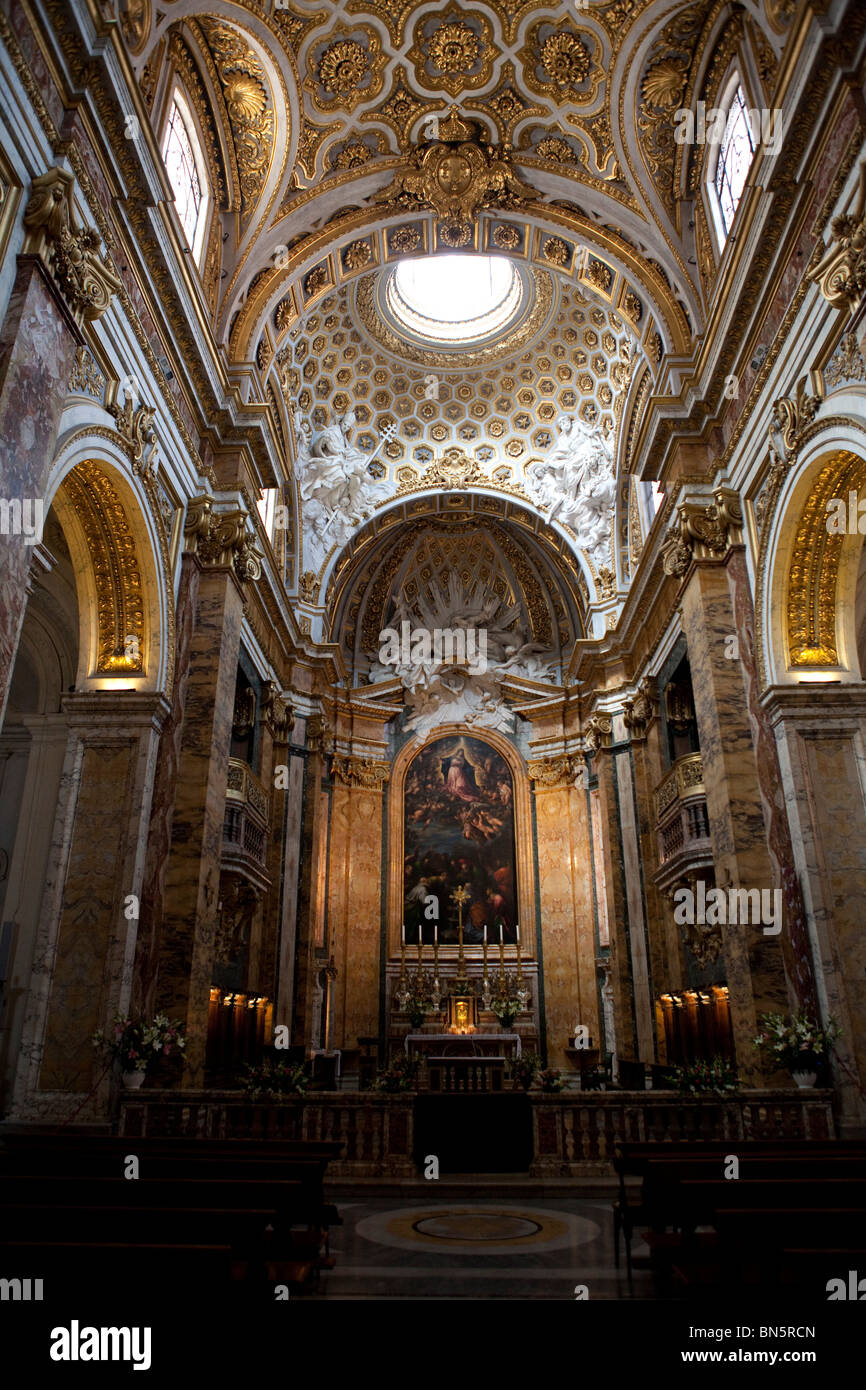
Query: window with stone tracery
735	154
184	163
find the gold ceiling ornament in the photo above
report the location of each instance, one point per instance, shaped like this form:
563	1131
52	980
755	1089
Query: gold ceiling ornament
70	253
841	272
507	237
455	469
357	255
135	24
450	54
663	87
456	175
561	63
349	69
556	251
116	573
248	103
703	532
403	240
221	540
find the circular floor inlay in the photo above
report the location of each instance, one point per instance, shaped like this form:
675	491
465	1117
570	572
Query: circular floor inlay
476	1226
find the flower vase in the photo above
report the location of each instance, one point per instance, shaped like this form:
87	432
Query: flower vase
507	1022
133	1080
805	1079
416	1020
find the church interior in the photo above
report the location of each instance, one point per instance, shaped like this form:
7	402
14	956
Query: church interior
433	649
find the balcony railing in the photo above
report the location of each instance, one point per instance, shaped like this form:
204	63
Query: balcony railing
682	821
246	824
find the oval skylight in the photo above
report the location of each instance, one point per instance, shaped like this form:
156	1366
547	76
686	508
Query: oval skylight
456	299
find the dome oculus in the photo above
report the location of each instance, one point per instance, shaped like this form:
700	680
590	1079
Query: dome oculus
454	299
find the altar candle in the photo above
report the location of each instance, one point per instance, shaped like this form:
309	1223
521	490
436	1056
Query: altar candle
435	933
501	937
517	933
485	950
403	933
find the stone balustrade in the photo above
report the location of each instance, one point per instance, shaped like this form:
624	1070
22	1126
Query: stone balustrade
573	1134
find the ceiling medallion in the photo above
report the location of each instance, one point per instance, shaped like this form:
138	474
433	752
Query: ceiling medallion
451	54
456	175
560	65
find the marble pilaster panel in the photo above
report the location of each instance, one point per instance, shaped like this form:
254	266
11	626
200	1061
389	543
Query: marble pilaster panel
567	925
822	753
617	911
635	909
85	946
291	859
192	872
755	960
38	339
43	740
354	911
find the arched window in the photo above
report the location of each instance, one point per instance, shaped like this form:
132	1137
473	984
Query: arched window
186	173
735	154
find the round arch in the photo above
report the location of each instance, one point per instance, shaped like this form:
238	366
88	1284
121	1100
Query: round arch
522	827
806	591
120	558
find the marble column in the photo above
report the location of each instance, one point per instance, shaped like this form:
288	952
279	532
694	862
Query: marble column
565	900
85	945
821	737
312	885
191	883
290	815
38	338
754	959
631	1043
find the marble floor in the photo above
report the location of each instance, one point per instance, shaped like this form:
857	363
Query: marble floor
459	1248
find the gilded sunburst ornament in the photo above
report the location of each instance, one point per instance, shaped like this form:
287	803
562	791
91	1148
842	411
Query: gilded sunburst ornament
664	83
565	59
342	66
245	98
454	48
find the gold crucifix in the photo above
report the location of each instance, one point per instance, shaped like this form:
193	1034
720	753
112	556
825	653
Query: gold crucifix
460	896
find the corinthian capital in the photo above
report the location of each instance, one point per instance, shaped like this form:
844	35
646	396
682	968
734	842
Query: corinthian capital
70	253
221	539
841	272
703	532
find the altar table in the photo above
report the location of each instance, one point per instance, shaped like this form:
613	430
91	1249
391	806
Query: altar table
464	1044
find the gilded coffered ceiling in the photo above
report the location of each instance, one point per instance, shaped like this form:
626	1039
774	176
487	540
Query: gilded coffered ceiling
314	107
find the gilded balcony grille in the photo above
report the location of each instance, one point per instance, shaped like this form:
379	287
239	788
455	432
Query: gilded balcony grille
682	820
246	824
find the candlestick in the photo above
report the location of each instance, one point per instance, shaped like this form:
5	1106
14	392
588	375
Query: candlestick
519	965
402	960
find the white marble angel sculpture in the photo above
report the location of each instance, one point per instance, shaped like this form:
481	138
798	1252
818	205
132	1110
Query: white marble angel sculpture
576	484
337	490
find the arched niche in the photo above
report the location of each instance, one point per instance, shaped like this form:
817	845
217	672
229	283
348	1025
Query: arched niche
807	594
119	556
523	854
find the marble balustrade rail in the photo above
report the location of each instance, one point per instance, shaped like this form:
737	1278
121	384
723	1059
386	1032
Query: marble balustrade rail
573	1134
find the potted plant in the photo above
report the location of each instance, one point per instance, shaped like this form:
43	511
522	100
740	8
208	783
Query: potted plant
550	1079
273	1078
398	1076
136	1042
524	1067
717	1076
797	1043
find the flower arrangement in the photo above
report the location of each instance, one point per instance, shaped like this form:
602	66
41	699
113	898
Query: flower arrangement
273	1078
416	1006
717	1076
399	1076
136	1042
550	1079
524	1067
505	1007
797	1043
